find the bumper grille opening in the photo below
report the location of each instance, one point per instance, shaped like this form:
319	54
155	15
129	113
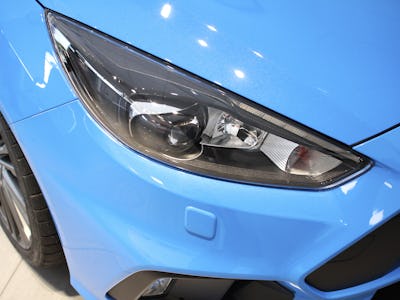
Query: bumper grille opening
388	292
372	257
257	290
184	287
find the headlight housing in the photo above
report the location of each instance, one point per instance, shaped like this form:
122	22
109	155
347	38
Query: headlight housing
175	117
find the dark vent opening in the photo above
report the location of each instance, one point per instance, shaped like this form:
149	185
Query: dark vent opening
370	258
388	293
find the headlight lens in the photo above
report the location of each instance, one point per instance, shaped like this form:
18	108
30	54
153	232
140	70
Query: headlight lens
175	117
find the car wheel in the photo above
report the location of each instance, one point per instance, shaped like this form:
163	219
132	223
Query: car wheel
24	214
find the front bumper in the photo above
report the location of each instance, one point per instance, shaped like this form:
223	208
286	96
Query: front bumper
119	213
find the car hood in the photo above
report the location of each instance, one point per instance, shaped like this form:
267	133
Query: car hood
331	65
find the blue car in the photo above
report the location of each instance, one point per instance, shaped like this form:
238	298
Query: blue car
204	149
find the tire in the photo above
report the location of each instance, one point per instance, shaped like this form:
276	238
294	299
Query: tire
24	214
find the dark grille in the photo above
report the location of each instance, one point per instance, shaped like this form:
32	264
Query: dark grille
185	287
373	256
257	290
389	292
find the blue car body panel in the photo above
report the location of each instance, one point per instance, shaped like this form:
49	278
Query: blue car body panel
131	216
333	66
118	212
29	68
392	148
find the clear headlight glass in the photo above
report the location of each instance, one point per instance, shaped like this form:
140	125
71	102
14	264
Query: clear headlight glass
184	121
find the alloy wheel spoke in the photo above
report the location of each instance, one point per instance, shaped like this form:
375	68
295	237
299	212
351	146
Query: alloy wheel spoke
5	159
17	216
3	148
4	214
7	165
12	226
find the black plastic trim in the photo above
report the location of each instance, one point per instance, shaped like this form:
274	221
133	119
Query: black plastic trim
185	287
372	257
390	292
375	135
257	290
38	2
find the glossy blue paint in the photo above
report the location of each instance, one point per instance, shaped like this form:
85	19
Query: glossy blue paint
118	212
333	66
29	72
392	149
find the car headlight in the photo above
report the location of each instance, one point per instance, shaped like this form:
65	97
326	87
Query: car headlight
180	119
